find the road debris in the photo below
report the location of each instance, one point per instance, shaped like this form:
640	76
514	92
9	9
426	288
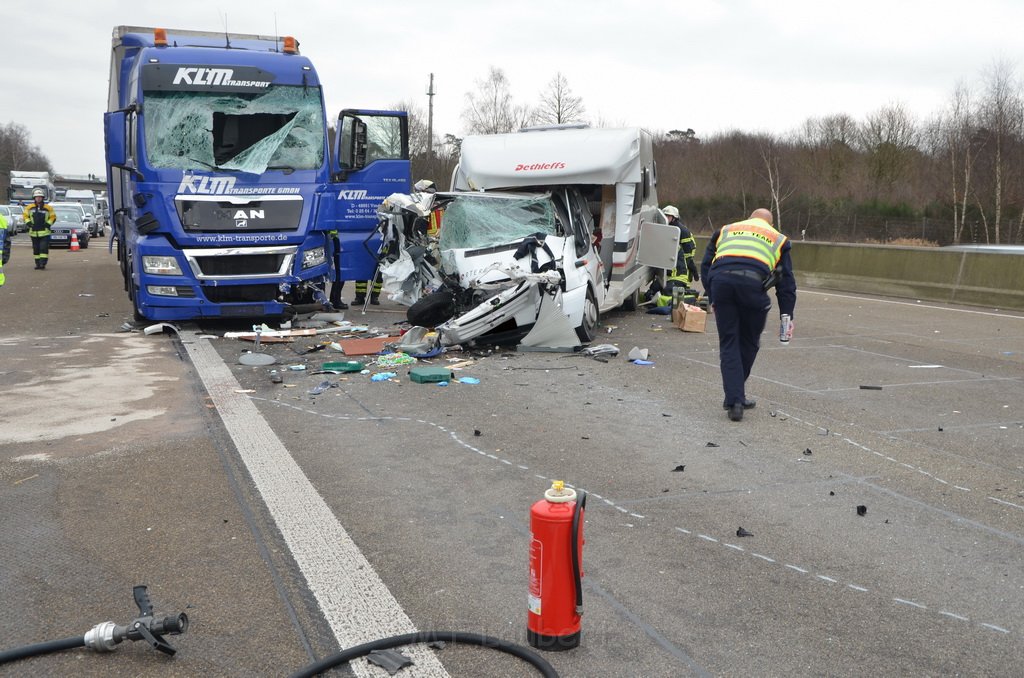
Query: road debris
862	510
865	387
679	469
740	532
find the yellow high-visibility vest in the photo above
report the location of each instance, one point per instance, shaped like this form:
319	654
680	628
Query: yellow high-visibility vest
754	239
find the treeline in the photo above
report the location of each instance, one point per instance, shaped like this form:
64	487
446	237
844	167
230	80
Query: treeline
17	152
954	176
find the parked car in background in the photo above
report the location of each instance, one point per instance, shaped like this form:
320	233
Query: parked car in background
87	217
69	219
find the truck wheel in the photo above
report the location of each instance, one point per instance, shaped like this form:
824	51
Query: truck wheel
591	314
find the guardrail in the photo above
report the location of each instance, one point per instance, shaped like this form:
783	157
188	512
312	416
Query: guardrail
975	278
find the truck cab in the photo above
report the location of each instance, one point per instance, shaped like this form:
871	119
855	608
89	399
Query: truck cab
220	187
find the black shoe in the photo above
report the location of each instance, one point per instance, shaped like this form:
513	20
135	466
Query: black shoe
736	411
359	300
339	305
747	404
374	300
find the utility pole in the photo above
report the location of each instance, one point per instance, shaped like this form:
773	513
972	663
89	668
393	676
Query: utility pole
430	120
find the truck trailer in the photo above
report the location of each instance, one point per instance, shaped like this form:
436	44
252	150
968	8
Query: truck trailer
222	192
23	183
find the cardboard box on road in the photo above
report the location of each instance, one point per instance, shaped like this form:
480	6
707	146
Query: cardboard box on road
689	318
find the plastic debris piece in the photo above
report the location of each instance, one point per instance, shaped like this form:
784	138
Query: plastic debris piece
862	510
160	327
643	362
468	380
940	429
430	375
442	383
432	353
831	493
256	359
395	359
297	368
807	452
740	532
710	444
476	432
864	387
275	377
344	366
383	376
391	661
601	350
637	353
679	469
320	388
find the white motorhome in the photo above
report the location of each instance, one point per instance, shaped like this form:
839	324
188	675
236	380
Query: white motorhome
544	214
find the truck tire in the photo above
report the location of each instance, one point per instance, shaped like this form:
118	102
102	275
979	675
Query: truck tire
432	310
591	315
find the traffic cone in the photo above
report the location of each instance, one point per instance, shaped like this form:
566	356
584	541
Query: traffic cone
74	241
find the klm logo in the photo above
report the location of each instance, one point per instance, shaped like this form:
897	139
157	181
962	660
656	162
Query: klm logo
206	185
204	76
353	195
211	77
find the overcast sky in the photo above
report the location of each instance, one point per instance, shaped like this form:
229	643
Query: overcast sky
712	65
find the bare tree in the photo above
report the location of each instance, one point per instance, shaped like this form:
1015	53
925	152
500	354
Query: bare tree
889	137
558	105
958	141
418	141
491	109
1001	117
771	151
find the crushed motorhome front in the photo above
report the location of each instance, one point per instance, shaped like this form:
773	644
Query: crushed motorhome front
536	220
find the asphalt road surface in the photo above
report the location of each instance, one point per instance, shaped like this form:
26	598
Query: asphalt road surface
288	525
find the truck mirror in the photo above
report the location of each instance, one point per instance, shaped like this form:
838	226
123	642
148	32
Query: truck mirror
114	137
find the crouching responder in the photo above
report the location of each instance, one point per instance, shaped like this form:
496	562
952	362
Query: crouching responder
5	247
39	216
685	271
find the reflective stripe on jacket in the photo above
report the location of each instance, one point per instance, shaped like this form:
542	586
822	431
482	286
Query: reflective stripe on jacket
29	213
753	239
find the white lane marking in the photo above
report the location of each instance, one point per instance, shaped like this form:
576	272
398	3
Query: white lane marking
902	601
915	305
683	531
953	615
798	569
857	588
758	555
707	538
733	546
1007	503
828	579
995	628
354	600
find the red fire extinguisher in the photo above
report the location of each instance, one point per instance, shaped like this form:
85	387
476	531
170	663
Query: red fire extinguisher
555	586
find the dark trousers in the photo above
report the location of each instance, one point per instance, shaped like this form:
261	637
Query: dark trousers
40	250
741	309
337	283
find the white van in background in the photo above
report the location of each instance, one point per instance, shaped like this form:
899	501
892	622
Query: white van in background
87	199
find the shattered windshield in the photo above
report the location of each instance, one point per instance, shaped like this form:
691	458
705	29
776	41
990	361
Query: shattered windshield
478	221
281	126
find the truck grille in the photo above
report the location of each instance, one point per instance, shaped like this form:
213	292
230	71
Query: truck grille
251	264
227	294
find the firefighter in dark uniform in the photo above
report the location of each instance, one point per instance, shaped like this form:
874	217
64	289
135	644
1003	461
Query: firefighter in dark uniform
362	286
742	261
39	216
336	282
685	270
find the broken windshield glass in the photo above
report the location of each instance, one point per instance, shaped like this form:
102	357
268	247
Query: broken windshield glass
280	126
479	221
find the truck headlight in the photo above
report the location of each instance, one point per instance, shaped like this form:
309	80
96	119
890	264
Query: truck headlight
313	257
161	266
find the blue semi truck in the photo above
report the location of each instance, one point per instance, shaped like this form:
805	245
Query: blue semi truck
224	197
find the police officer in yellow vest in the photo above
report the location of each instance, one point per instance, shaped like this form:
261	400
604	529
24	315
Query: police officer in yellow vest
5	247
740	264
39	216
